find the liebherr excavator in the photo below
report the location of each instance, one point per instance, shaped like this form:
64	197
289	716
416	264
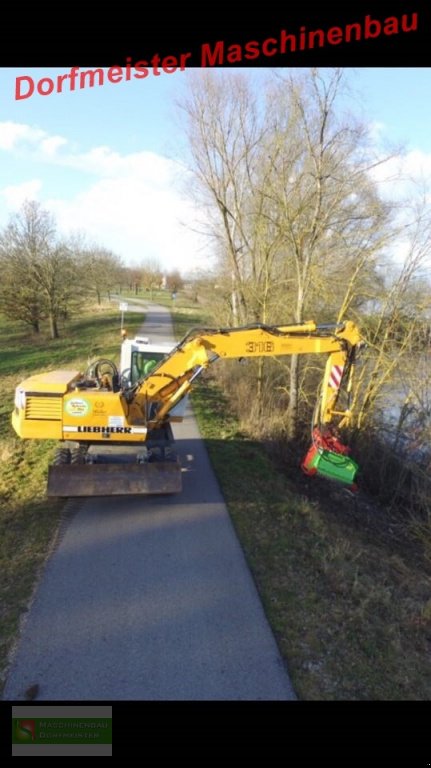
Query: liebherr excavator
114	427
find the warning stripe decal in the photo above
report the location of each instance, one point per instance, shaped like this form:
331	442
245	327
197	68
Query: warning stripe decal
335	376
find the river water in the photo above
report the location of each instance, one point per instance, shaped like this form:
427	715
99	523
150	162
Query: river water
405	410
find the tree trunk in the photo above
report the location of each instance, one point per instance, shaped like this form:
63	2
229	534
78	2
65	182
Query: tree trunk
259	387
234	302
99	300
53	326
292	410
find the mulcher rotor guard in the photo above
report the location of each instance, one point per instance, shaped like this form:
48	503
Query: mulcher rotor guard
329	457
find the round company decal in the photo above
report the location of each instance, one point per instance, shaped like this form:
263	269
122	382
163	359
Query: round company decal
77	407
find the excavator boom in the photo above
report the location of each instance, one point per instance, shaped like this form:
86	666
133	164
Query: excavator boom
202	347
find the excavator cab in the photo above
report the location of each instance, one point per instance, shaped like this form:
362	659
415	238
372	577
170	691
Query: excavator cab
143	362
139	356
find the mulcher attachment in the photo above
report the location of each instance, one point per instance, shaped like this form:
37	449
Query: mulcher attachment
329	457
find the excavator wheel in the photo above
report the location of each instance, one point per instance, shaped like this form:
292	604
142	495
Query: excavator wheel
62	456
78	454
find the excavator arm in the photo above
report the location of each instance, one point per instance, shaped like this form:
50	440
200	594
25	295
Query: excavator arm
173	378
159	392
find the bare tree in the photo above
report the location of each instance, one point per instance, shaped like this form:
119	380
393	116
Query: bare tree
332	224
289	198
224	133
39	271
100	269
151	275
19	297
174	281
400	319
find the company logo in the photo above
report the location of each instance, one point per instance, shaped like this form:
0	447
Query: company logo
25	730
106	430
77	407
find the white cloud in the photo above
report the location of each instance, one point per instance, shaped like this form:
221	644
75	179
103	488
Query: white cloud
22	138
417	164
131	203
16	194
404	180
13	134
104	162
139	214
397	174
50	145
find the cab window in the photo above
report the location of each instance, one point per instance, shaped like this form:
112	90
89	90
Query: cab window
143	363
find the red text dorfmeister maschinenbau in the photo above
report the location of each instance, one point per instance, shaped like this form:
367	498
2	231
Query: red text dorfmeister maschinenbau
219	54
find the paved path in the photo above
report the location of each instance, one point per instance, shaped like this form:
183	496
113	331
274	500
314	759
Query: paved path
150	598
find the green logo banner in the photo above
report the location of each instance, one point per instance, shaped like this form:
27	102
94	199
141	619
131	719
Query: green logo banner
62	730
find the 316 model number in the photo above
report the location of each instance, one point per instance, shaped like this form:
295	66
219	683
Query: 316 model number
259	347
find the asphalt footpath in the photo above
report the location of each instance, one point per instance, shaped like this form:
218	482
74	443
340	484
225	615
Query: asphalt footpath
150	598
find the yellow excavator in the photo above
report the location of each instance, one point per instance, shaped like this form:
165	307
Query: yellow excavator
114	427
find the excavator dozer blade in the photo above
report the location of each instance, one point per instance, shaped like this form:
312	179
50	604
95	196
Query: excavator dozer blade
114	479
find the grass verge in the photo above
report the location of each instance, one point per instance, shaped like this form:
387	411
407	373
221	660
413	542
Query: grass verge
28	520
345	587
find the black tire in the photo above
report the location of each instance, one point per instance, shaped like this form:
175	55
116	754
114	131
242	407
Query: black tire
61	456
77	454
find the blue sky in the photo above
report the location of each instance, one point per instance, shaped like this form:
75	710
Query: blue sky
400	99
103	158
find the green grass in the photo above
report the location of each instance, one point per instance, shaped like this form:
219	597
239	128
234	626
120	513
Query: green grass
344	584
351	612
28	520
25	352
